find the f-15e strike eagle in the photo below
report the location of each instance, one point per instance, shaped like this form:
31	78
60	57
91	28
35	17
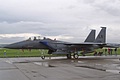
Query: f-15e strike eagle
61	47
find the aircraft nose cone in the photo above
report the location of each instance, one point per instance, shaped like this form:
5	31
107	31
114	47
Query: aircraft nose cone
3	45
17	45
10	46
13	46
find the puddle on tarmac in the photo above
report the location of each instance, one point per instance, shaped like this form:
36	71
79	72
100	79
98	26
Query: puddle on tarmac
55	57
80	62
76	61
118	67
113	71
115	65
42	63
45	64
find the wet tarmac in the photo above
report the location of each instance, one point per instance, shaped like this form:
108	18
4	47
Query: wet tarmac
60	68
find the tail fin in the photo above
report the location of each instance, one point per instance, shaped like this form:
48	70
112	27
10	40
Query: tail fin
91	36
101	38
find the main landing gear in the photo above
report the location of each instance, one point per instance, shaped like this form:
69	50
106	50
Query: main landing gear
68	56
42	56
74	56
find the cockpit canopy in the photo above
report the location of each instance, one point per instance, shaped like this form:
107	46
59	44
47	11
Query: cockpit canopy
37	38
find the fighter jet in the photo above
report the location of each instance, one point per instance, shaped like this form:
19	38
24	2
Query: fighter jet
61	47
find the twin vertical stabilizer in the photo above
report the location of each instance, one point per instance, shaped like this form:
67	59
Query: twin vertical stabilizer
101	38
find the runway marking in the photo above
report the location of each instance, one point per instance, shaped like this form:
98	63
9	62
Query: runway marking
42	63
8	61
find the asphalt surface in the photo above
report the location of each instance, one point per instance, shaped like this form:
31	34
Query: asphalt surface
60	68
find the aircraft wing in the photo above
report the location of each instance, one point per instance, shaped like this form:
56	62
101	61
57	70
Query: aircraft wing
112	45
85	43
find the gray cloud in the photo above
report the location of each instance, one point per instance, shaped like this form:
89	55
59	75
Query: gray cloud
89	1
73	18
109	6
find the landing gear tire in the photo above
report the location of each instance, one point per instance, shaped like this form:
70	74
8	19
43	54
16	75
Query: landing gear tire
43	57
75	56
68	56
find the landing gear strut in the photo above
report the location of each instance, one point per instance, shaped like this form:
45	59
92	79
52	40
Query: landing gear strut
42	54
43	57
68	56
75	56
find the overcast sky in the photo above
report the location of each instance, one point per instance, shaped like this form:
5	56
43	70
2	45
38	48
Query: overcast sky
67	20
